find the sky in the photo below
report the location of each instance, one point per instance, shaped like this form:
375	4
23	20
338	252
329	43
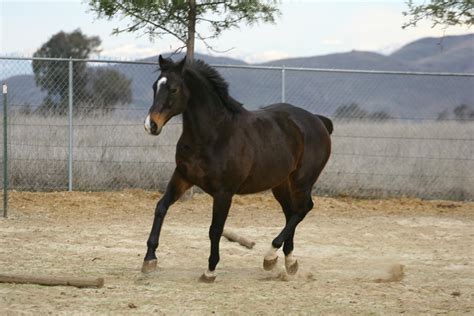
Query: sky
304	28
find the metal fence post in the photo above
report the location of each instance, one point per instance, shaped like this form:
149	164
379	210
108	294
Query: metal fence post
70	125
5	151
283	97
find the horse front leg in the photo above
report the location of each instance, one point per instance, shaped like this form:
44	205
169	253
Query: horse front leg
175	189
220	210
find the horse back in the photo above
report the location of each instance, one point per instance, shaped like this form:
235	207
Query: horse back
305	120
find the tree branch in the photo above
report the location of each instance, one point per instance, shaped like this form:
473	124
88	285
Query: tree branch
209	47
143	19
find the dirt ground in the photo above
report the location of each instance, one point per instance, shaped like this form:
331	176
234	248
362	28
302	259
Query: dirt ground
343	246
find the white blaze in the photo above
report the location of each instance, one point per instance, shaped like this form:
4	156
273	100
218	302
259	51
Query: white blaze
160	82
148	124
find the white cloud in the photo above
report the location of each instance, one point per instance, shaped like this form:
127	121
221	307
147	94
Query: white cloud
332	42
261	57
248	56
129	51
380	29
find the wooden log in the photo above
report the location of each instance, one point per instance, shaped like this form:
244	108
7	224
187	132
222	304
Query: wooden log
231	236
79	282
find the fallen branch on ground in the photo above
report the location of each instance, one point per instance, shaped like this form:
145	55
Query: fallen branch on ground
50	280
231	236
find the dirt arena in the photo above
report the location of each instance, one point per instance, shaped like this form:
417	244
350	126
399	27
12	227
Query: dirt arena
343	246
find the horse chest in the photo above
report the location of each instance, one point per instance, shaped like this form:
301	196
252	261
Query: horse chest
191	162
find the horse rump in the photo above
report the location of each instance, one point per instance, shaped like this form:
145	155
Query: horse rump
327	122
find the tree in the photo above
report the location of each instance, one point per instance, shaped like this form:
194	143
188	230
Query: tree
441	12
179	18
53	76
463	112
443	115
355	112
379	116
109	88
352	111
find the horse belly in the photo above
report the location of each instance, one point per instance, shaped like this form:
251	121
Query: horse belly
267	174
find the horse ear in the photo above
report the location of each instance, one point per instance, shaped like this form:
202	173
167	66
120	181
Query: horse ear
181	64
163	62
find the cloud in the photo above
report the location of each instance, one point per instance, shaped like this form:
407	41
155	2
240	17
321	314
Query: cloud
380	29
261	57
129	51
249	57
332	42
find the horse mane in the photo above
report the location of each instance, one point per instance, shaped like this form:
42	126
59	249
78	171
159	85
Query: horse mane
220	86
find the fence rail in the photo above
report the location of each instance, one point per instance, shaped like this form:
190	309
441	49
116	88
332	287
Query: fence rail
77	124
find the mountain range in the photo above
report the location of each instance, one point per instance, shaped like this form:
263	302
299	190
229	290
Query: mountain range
402	96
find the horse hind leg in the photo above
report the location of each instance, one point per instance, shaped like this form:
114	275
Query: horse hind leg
283	196
291	263
302	202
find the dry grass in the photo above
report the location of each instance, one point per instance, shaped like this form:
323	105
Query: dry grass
427	159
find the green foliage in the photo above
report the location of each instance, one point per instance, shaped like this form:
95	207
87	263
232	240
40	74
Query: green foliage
98	90
109	88
355	112
352	111
442	12
53	76
443	115
158	18
462	112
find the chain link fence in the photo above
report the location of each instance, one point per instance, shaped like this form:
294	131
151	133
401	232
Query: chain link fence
78	124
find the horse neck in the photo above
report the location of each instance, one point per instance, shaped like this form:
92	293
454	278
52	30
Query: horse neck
205	118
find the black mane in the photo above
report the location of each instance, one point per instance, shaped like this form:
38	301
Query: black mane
216	81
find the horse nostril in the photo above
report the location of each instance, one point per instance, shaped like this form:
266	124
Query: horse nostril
153	127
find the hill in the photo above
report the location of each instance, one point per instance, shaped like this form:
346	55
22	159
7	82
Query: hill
323	92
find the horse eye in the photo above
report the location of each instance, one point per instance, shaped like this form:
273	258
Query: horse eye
173	90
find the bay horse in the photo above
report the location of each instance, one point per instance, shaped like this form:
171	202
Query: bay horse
225	149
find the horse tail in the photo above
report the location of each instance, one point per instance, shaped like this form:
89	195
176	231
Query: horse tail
327	122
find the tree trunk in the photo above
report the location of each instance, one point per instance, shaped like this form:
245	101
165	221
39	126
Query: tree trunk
191	30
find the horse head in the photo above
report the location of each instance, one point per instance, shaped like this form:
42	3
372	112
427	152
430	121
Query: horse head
170	95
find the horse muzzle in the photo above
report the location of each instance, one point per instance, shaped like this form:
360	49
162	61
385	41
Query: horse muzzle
154	122
151	127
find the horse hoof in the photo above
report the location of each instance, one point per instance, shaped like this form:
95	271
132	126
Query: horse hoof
269	264
149	266
291	269
207	277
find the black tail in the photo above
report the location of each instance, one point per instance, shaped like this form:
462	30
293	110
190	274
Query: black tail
327	122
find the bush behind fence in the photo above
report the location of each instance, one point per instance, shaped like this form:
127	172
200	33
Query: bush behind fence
395	134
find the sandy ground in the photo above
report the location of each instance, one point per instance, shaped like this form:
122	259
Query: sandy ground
342	246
